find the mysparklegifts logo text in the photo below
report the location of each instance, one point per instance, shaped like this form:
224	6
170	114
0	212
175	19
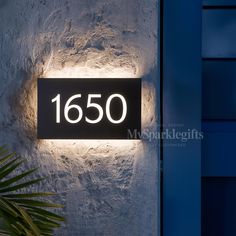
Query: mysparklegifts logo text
171	136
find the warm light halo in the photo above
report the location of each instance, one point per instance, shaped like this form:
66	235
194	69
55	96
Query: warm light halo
86	72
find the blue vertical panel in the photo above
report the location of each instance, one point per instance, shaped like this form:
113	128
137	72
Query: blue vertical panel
218	149
182	111
219	90
219	2
219	33
219	206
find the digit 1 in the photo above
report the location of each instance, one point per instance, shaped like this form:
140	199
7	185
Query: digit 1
57	99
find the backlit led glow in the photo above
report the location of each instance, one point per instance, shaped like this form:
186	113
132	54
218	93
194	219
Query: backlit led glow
86	72
101	146
148	104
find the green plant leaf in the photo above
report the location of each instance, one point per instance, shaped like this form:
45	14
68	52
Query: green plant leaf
23	215
8	209
36	203
29	195
4	233
28	219
7	165
9	170
16	178
20	186
48	214
3	151
6	158
29	222
44	220
19	213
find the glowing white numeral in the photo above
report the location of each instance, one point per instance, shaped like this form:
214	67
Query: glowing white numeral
108	104
90	104
68	107
95	105
57	99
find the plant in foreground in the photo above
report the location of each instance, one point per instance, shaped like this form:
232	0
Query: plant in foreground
21	213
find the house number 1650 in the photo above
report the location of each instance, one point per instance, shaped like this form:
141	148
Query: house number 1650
90	104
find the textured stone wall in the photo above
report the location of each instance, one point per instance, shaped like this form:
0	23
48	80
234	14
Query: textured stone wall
108	188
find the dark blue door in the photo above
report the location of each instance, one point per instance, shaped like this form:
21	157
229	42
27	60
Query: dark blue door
219	118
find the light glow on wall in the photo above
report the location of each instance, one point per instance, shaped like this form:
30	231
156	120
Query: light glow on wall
100	145
148	107
87	72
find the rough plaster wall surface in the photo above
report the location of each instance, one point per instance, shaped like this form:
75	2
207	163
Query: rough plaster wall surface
109	188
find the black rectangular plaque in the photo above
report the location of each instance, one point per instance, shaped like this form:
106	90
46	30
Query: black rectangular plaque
89	108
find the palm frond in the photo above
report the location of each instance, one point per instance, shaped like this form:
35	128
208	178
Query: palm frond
20	212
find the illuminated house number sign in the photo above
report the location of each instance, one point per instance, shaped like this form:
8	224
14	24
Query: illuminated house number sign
89	108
